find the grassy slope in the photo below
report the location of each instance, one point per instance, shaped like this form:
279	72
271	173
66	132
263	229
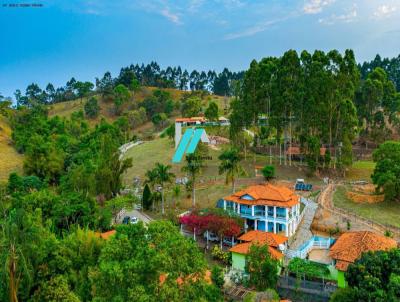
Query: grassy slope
10	160
383	212
211	186
361	170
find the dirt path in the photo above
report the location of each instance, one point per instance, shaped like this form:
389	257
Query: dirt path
329	217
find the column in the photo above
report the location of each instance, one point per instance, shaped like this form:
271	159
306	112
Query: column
252	210
238	208
286	214
286	230
274	227
224	204
255	224
274	213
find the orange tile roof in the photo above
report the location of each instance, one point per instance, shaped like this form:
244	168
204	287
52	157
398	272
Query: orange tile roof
244	248
190	119
350	245
271	239
266	194
106	235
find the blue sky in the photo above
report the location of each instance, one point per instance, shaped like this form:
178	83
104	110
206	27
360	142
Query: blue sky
85	38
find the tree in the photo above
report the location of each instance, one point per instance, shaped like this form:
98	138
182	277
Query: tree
230	164
55	290
83	88
262	268
386	174
159	120
217	276
343	295
211	112
268	172
105	85
191	107
92	108
147	197
163	176
194	165
145	271
121	96
375	276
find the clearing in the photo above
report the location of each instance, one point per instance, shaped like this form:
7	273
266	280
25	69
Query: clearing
10	160
383	212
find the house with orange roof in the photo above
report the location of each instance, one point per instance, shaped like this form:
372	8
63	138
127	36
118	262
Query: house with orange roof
350	246
276	244
266	207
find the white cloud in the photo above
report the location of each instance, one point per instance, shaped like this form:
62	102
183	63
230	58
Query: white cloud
250	31
384	11
315	6
343	18
173	17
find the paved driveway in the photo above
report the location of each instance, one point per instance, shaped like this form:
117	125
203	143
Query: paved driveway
139	214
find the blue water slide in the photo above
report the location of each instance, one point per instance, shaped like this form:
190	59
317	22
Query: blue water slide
195	140
182	146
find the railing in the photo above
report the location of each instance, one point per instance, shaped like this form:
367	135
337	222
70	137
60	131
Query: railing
321	243
312	287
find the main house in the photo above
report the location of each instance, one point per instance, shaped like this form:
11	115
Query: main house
266	208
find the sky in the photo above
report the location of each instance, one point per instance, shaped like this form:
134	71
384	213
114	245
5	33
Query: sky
51	41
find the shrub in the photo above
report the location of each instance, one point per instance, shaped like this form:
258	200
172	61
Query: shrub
268	172
218	254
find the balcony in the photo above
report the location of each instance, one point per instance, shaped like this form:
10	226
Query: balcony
245	211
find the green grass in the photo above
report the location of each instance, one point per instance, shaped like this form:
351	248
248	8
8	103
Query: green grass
361	170
10	160
383	212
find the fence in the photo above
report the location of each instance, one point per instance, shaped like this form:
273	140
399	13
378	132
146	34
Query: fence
314	243
374	225
312	287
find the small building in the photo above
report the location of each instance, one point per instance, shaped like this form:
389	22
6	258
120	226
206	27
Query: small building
266	208
276	244
350	246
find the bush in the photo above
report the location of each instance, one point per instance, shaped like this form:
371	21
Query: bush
92	108
218	254
268	172
217	276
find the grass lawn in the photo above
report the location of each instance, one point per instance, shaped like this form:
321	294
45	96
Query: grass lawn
361	170
382	212
210	186
10	160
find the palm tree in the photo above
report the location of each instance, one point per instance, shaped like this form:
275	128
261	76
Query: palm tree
151	180
163	176
230	164
176	192
194	164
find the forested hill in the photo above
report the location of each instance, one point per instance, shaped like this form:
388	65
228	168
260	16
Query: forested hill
150	75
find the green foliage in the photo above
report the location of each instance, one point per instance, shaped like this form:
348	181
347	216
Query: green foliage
270	295
386	174
217	276
191	107
262	268
218	254
230	164
268	172
25	184
343	295
147	197
55	290
375	276
211	112
308	268
121	96
92	108
159	102
143	255
159	120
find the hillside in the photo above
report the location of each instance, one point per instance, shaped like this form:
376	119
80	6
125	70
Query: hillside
10	160
65	109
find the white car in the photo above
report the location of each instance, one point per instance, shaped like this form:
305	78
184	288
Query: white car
130	220
211	236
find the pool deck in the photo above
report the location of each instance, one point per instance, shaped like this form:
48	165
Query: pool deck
320	256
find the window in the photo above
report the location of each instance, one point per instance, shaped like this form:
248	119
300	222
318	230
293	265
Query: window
247	197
